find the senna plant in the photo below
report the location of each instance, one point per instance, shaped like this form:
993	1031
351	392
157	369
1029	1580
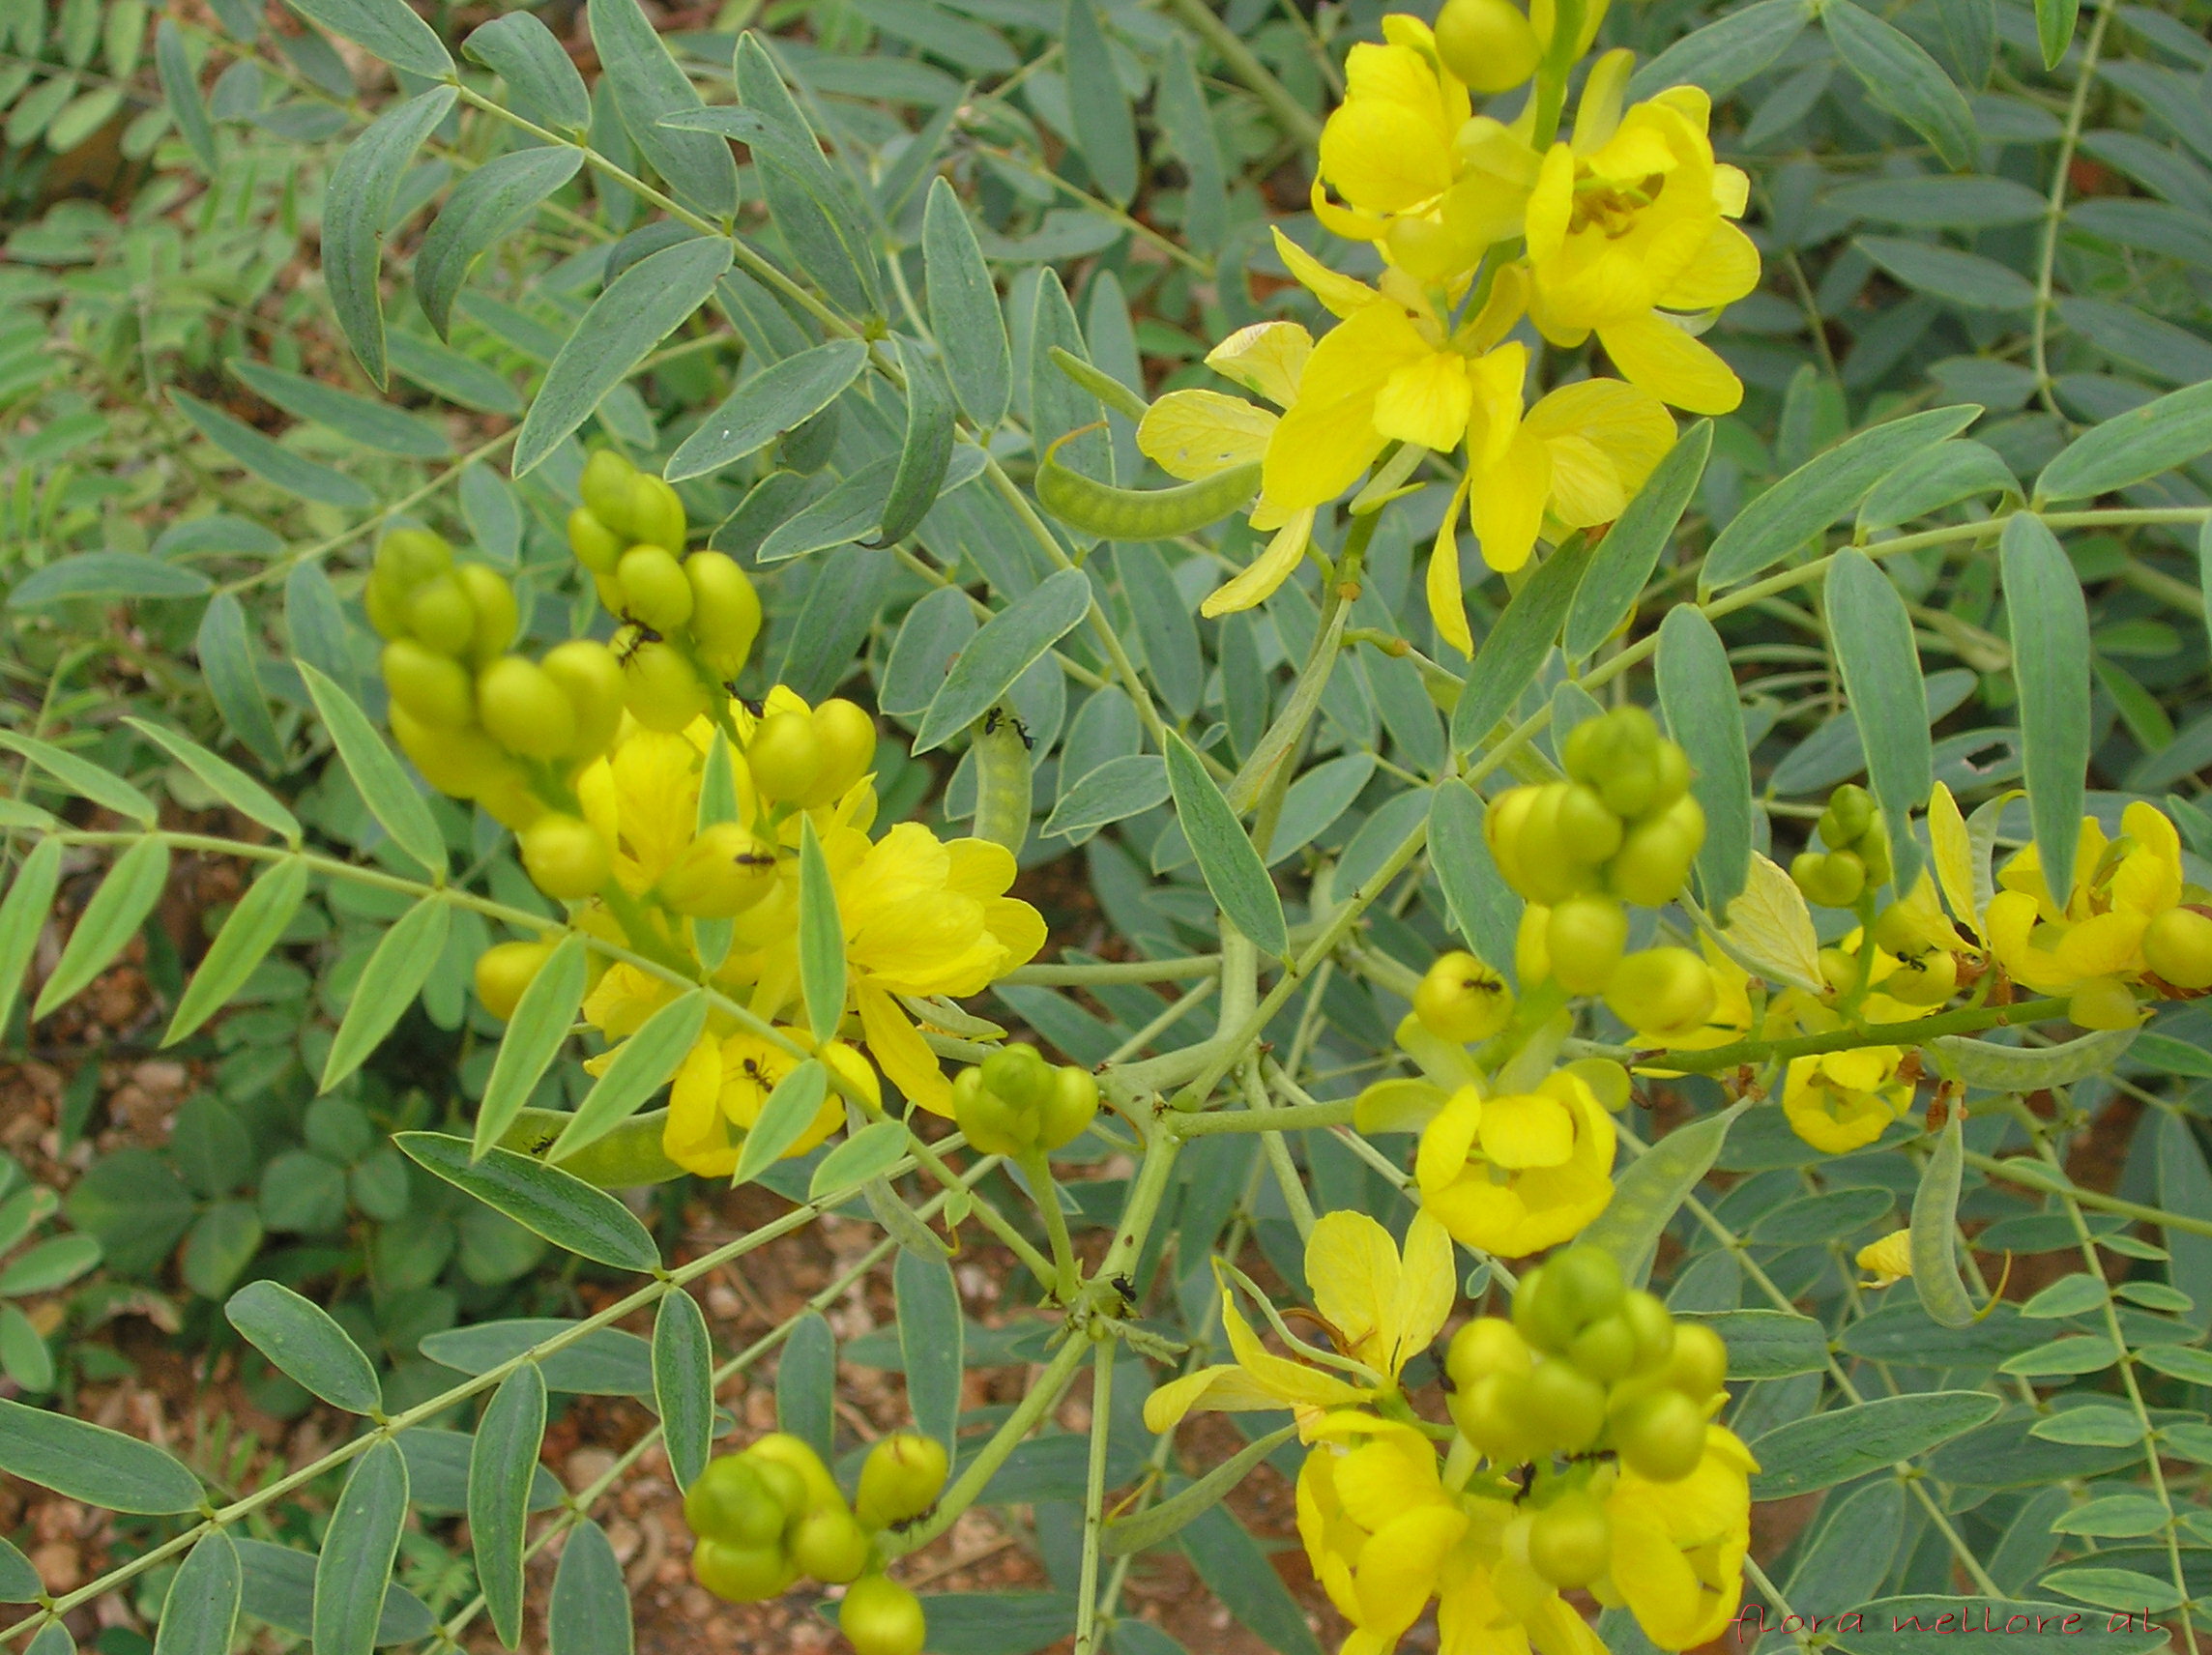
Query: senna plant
1526	1061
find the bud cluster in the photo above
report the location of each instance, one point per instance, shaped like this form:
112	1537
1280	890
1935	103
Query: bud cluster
478	721
765	1518
1014	1103
688	620
1856	858
1592	1374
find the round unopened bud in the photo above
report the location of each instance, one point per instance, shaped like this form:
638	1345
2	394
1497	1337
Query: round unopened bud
505	970
900	1479
1831	878
990	1125
1570	1541
1606	1349
1018	1074
565	857
845	738
829	1545
1566	1407
1928	976
434	688
729	1501
605	487
741	1573
781	1448
406	558
1462	1000
785	756
659	686
1662	1436
592	679
1489	45
597	547
1583	940
1656	855
440	615
1070	1106
492	602
525	709
1590	832
1486	1345
1698	1364
654	592
655	514
878	1616
725	612
1662	992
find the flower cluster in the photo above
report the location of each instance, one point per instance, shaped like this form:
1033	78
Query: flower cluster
1580	1451
1621	230
670	815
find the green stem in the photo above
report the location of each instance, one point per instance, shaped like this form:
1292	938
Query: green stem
1295	118
1966	1020
2018	1171
1044	1189
1094	1495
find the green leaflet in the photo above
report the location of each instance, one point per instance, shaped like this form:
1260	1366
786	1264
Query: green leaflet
359	199
590	1610
93	1464
404	958
201	1610
821	976
1009	643
1846	1442
642	1065
388	29
1697	691
490	204
1625	558
931	1335
252	929
639	309
964	309
1935	1227
1647	1195
533	1037
542	78
806	1373
1881	677
2051	668
109	920
1232	868
1820	492
300	1338
682	1384
566	1211
788	1111
384	786
1148	1528
357	1551
1507	661
232	785
502	1465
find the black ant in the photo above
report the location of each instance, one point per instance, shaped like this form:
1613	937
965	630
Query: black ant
1123	1285
758	709
997	717
627	651
759	1076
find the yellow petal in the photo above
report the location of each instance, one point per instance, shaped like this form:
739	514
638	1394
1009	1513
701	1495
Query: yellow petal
900	1051
1398	1568
1426	402
1293	1384
1266	571
1508	500
1428	1283
1529	1130
1383	155
1606	437
1192	434
1678	369
1446	588
1551	204
1223	1388
1954	853
1352	1267
2104	944
1266	357
1497	379
1339	295
1721	272
1444	1146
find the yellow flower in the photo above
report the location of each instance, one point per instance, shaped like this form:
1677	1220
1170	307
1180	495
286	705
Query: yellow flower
1417	172
1383	1310
2091	948
1889	1261
1517	1173
1377	1525
720	1090
1842	1101
1196	433
1678	1547
1630	222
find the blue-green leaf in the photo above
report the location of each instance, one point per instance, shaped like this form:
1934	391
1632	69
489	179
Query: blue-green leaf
2050	652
